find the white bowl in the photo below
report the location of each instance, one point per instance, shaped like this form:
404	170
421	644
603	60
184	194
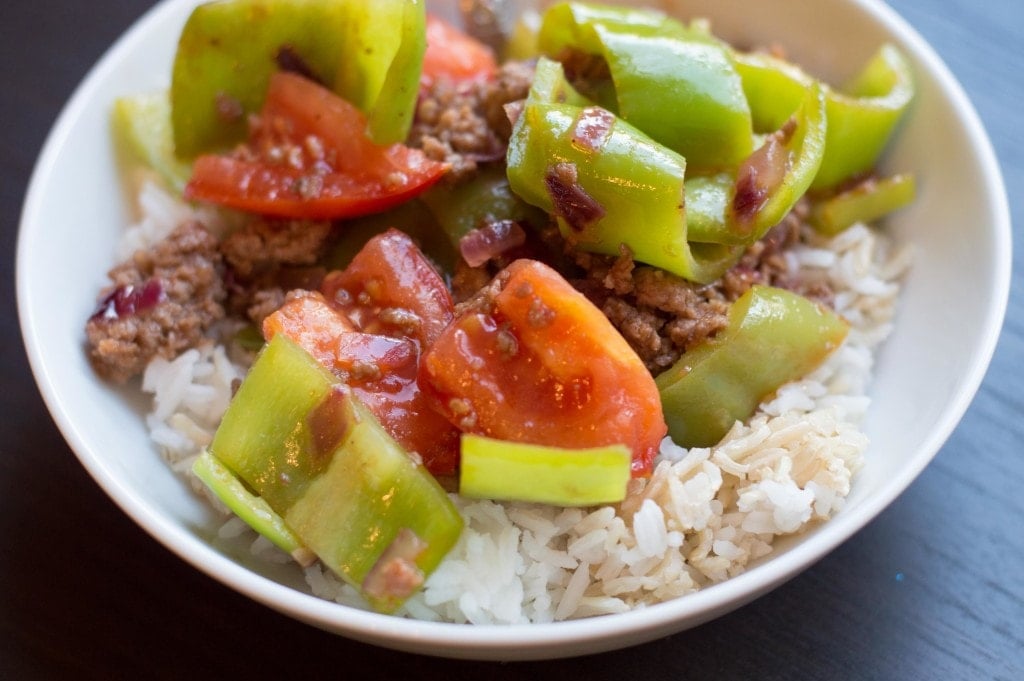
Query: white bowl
949	319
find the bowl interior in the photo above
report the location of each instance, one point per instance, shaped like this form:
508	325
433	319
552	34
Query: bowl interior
927	372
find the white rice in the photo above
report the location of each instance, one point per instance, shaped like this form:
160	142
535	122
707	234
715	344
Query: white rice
702	517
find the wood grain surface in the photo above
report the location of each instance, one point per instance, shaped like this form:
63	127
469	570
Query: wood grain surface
932	589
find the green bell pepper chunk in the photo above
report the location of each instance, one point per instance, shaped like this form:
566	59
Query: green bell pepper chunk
521	43
740	206
496	469
347	490
143	122
267	426
865	202
773	336
369	496
380	66
487	197
676	84
228	50
773	88
631	186
707	206
255	511
862	115
570	25
226	54
773	178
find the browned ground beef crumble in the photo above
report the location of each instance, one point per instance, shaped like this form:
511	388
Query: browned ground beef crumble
662	316
467	125
186	273
267	258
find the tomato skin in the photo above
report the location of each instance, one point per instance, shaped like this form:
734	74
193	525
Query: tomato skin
391	274
540	364
310	158
454	55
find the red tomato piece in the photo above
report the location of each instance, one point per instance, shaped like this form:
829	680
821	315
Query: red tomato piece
391	288
453	55
539	363
382	371
313	324
309	157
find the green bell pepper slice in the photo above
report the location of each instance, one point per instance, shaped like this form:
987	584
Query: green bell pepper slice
318	457
266	425
678	85
740	206
228	50
226	54
865	202
772	179
773	336
519	471
862	115
252	509
628	189
143	123
380	66
570	24
487	197
374	509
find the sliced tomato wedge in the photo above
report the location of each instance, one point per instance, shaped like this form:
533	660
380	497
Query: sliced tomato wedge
390	287
309	158
537	362
454	55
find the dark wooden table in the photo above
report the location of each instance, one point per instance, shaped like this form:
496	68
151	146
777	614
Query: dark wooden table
932	589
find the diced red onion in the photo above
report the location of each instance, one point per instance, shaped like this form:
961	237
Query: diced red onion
592	128
395	574
572	203
125	301
487	242
762	173
513	110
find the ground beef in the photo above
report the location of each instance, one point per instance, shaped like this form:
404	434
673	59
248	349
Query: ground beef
512	84
263	246
662	316
267	258
466	124
588	73
159	303
261	303
481	299
466	280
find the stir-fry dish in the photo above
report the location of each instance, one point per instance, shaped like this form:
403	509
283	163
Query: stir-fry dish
496	323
